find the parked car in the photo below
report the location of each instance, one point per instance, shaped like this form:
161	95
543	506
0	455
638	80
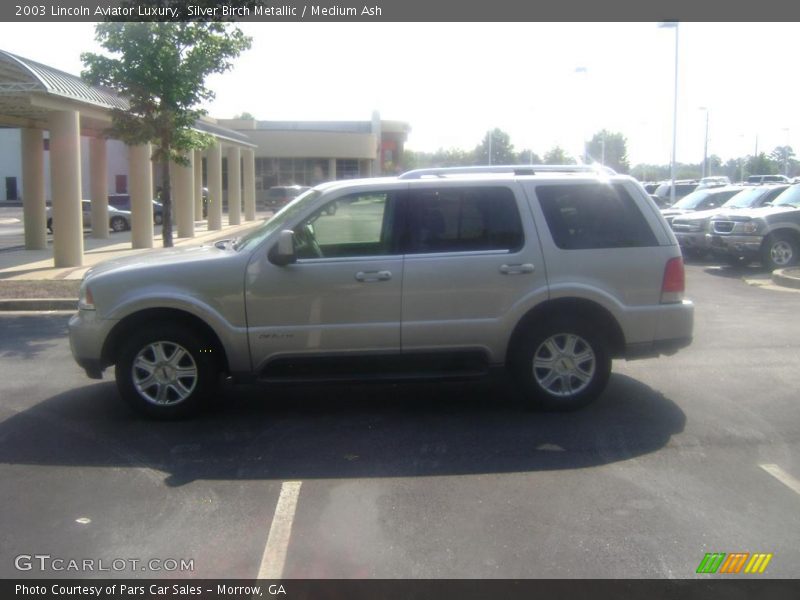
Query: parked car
118	220
682	188
437	273
714	181
123	202
691	229
704	199
280	195
769	234
761	179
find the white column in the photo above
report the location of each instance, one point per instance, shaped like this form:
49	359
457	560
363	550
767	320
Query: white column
98	167
184	197
249	164
198	185
141	189
34	210
65	172
331	169
214	158
234	186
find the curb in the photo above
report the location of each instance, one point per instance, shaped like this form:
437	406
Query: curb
787	277
38	304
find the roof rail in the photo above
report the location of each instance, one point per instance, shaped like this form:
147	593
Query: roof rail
509	169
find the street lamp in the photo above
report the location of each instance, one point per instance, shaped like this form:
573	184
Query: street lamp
786	153
705	145
673	25
584	73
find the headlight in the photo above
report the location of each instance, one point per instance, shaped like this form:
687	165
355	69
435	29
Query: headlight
750	226
85	299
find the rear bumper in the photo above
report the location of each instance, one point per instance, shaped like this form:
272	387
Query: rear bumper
673	331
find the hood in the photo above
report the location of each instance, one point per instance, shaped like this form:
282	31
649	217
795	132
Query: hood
747	214
674	212
161	257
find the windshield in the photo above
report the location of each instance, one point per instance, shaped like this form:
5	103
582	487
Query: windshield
791	197
257	235
692	200
745	198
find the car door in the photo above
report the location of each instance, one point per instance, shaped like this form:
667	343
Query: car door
469	259
342	295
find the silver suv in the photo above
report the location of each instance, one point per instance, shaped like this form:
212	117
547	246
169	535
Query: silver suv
547	271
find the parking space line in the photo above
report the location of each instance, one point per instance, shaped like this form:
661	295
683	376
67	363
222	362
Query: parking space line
274	558
782	476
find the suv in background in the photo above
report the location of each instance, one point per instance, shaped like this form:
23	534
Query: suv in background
702	199
690	229
713	181
770	234
548	272
682	188
761	179
280	195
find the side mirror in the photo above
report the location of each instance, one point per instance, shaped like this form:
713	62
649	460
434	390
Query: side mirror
282	253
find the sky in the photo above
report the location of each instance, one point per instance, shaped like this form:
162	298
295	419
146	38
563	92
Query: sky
545	84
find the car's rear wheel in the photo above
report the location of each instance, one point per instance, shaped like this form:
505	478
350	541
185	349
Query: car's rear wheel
118	224
561	365
166	371
779	250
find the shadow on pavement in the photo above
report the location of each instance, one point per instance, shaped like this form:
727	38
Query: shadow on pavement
408	430
24	337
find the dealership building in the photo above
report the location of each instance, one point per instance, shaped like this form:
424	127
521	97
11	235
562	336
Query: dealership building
53	151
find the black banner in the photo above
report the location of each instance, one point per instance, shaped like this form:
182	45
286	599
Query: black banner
739	589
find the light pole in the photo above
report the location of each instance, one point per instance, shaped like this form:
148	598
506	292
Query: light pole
705	145
786	153
673	25
584	73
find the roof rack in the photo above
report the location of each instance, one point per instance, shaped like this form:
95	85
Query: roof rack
511	169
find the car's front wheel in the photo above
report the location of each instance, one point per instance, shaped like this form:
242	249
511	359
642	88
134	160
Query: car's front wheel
166	371
779	250
118	224
561	365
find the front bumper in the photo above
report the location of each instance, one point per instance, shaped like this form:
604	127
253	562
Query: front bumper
695	240
87	334
747	246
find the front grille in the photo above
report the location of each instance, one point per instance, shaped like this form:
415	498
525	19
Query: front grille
723	226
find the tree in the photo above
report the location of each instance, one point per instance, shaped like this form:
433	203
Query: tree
558	156
783	157
160	68
610	149
528	157
246	116
502	149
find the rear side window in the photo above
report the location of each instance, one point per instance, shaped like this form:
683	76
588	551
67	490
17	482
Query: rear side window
586	216
462	219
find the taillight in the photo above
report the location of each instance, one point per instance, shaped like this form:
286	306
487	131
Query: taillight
674	281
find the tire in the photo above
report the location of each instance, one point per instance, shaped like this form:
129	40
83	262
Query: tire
118	224
779	250
146	371
158	219
50	225
561	365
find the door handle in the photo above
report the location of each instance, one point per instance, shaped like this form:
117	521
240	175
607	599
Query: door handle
517	269
371	276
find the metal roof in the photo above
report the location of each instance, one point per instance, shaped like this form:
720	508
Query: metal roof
21	76
43	78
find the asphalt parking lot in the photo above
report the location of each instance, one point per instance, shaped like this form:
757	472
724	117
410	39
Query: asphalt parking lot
683	455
